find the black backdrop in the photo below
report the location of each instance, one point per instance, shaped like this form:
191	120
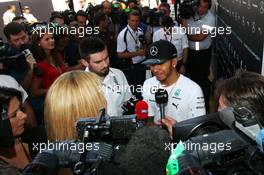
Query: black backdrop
243	48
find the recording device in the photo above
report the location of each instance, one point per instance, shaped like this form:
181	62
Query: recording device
229	149
17	60
161	98
153	17
26	53
141	110
111	129
106	135
188	8
129	106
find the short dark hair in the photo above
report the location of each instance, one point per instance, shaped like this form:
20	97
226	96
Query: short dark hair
146	153
80	13
102	4
134	12
99	16
245	89
6	94
18	18
90	46
13	28
167	21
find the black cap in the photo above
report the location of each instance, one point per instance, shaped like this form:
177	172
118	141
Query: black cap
160	52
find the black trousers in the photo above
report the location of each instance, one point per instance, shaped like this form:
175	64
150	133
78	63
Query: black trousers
136	75
198	69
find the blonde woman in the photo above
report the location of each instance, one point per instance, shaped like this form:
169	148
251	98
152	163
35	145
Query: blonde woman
72	96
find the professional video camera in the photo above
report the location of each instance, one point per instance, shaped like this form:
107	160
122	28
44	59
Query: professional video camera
216	144
188	8
154	17
68	16
17	60
106	137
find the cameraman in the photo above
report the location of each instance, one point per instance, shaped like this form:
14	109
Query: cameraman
18	40
200	42
131	51
245	89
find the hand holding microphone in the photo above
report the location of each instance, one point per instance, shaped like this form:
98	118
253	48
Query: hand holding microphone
29	58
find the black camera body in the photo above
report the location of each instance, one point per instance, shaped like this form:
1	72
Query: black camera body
111	129
107	137
214	144
188	8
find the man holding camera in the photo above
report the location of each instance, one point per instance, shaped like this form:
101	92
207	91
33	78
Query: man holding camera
185	97
200	41
17	67
114	84
131	51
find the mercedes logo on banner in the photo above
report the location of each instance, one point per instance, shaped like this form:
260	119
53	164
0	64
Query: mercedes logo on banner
154	51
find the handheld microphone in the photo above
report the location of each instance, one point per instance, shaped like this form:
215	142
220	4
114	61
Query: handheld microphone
141	110
26	52
161	97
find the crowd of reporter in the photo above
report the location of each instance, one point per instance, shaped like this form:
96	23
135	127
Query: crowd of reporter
51	88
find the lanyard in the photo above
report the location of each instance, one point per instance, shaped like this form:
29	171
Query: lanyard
167	38
136	41
165	35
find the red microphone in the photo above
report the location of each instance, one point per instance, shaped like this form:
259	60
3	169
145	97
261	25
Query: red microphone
141	110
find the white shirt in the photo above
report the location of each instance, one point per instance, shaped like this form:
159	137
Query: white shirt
185	100
200	22
30	18
132	43
116	91
10	82
178	38
8	17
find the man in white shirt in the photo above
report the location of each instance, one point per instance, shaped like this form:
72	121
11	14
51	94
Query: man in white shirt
185	97
177	37
9	14
200	41
30	18
114	84
131	50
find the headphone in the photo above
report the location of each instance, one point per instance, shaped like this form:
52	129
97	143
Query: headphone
247	118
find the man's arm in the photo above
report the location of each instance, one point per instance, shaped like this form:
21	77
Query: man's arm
26	81
122	49
197	103
129	55
36	90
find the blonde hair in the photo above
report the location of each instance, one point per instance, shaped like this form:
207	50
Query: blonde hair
72	96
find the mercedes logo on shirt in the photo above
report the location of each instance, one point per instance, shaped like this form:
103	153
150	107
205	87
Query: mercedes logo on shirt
154	51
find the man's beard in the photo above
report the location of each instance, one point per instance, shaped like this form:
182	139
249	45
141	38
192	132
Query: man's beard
101	73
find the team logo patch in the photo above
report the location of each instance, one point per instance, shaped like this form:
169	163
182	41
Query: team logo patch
154	51
177	92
